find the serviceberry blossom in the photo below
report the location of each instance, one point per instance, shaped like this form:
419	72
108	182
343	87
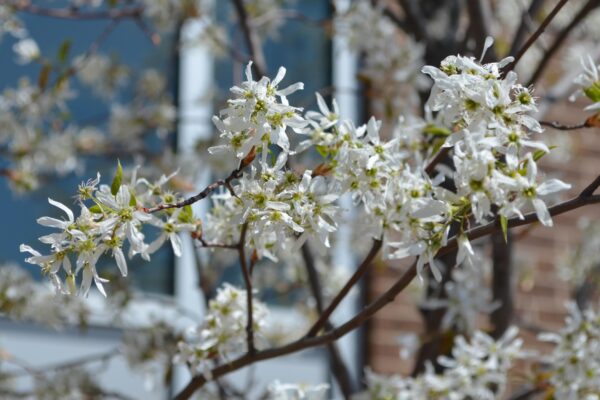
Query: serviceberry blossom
223	332
109	217
574	364
258	116
490	116
589	81
477	370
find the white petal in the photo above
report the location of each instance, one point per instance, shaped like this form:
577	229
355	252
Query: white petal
542	212
175	244
66	209
121	262
551	186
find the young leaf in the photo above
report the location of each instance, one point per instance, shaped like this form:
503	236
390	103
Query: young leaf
116	183
63	51
504	225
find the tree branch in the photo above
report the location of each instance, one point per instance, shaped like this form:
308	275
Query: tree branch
338	367
561	127
533	38
360	271
235	174
252	40
248	282
526	17
585	198
560	39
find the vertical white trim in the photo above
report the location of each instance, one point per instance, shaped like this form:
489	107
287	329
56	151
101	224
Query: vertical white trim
196	74
345	64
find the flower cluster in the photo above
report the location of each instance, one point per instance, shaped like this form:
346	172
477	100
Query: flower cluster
108	217
222	334
477	370
490	114
404	206
258	116
574	364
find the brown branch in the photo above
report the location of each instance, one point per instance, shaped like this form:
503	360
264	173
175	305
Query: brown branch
252	40
560	39
533	38
235	174
438	158
585	198
526	17
338	367
360	271
562	127
248	282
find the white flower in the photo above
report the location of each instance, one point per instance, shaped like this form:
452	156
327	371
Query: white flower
27	51
258	116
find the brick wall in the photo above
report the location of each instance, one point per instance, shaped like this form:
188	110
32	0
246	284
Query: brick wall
540	294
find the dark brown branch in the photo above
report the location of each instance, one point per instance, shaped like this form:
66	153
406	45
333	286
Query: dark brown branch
585	198
248	282
561	127
526	19
502	282
235	174
560	39
338	367
438	158
360	271
252	40
533	38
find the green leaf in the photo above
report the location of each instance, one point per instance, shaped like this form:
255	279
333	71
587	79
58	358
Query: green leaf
504	225
541	153
593	92
63	51
132	200
186	215
322	150
116	183
435	130
96	209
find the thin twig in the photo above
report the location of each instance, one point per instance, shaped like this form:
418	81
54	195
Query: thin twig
235	174
560	39
562	127
533	38
252	40
526	19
